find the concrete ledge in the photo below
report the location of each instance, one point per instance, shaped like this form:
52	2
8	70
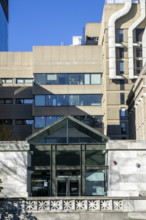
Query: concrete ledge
126	145
14	146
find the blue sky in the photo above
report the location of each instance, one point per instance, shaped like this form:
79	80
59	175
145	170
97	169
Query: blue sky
49	22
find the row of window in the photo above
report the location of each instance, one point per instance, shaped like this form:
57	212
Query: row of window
17	122
93	121
67	100
138	34
17	101
138	66
68	79
138	52
18	81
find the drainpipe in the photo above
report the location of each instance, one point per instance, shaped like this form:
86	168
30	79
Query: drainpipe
131	44
112	38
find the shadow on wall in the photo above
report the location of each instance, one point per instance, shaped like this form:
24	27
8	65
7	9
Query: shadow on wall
9	211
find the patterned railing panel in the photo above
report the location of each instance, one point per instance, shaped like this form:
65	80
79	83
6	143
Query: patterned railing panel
58	205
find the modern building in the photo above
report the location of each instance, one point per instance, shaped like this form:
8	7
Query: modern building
90	82
4	18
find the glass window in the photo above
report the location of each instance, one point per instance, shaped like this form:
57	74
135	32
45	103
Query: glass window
139	34
62	100
19	81
73	100
39	122
122	113
51	79
24	81
95	183
23	122
6	101
7	81
5	121
122	84
121	67
123	128
95	158
24	101
121	36
95	79
122	96
28	101
40	79
74	79
62	79
41	158
50	120
121	52
51	100
138	52
138	66
39	100
28	81
68	158
87	79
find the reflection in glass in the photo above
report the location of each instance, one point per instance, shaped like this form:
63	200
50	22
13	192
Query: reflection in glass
40	183
68	79
68	100
95	183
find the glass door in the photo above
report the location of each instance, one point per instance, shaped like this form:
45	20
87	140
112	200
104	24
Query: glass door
74	187
61	188
68	187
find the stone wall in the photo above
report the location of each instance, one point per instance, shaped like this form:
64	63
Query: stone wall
80	208
14	161
127	168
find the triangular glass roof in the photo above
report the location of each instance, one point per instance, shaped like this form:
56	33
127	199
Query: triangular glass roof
67	130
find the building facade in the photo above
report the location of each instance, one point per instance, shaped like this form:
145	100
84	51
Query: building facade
137	108
4	25
90	82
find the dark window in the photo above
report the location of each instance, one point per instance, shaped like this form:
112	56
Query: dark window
121	67
122	98
121	35
68	158
139	34
138	66
6	101
138	52
23	122
123	128
121	52
24	101
122	85
95	158
5	121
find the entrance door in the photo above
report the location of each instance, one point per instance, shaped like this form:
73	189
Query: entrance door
68	187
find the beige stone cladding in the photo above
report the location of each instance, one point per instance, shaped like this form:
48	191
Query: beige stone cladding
16	67
137	108
117	89
67	59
